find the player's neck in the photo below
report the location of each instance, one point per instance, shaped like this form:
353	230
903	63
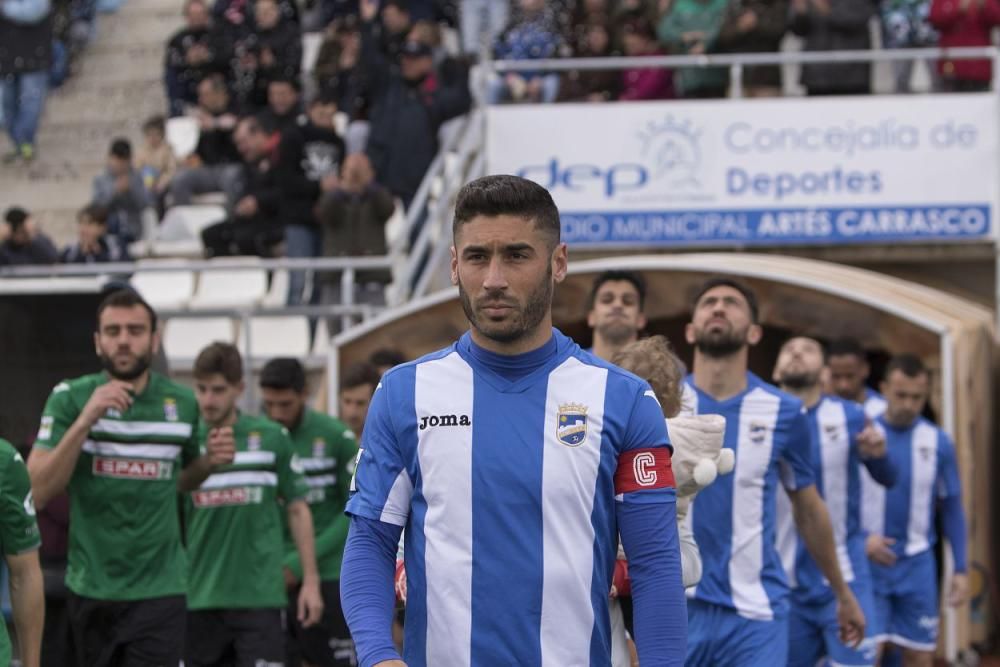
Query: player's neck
721	377
529	342
605	349
228	420
810	396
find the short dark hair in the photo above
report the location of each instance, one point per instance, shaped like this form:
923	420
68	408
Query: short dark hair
503	194
359	373
217	82
219	358
847	347
386	356
252	123
739	286
290	80
121	148
15	216
94	212
824	349
125	298
909	365
401	5
614	275
283	373
158	123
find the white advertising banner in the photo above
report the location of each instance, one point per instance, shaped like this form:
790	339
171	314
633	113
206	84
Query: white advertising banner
880	169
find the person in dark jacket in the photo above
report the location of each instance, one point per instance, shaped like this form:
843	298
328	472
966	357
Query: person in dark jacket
193	53
94	245
274	49
965	23
25	59
409	103
21	243
834	25
755	26
119	188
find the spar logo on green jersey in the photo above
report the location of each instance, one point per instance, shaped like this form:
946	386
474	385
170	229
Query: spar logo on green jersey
123	468
316	495
237	495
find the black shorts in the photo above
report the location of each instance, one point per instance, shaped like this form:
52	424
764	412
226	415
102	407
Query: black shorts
140	633
235	638
326	644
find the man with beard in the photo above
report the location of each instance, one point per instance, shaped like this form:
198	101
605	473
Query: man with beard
901	523
235	529
739	610
514	460
842	441
118	440
615	311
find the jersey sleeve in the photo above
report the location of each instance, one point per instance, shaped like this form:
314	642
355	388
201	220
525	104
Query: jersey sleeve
291	480
948	482
644	458
58	415
795	464
18	527
381	488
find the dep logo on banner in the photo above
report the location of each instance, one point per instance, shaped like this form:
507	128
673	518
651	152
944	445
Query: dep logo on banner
766	172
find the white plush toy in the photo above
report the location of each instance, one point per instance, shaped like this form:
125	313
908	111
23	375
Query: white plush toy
699	456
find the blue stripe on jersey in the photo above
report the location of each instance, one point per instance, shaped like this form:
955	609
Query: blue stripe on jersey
734	518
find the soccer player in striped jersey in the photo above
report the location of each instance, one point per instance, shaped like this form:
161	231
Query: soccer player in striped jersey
849	371
514	459
843	441
235	532
738	612
615	312
901	523
118	440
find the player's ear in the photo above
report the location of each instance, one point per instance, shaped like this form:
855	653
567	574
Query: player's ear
454	266
689	336
754	334
154	343
97	343
825	378
560	262
641	322
774	373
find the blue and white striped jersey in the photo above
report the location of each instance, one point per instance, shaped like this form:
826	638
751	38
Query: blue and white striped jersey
835	425
734	518
507	491
927	471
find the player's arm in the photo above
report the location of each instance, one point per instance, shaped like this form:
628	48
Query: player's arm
953	522
647	523
873	451
220	449
301	526
27	599
54	457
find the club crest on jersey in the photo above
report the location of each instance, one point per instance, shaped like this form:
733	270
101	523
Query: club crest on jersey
253	441
170	409
758	433
319	448
925	452
571	426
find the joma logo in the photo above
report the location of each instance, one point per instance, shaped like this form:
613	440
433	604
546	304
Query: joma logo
444	420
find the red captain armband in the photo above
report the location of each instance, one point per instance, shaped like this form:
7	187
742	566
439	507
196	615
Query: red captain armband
640	469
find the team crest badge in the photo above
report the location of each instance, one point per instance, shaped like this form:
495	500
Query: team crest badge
758	433
319	448
571	426
170	409
253	441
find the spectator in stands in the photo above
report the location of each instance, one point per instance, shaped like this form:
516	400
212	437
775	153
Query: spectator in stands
534	34
906	25
691	27
193	53
284	105
482	21
356	388
254	227
353	219
215	164
593	40
385	358
121	191
94	244
275	48
155	159
321	147
393	27
409	105
21	243
337	66
834	25
25	59
755	26
965	23
643	83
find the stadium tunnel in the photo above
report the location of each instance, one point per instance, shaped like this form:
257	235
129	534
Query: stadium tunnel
954	336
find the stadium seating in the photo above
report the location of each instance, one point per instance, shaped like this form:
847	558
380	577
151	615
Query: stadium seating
277	292
231	288
182	135
185	337
164	290
278	336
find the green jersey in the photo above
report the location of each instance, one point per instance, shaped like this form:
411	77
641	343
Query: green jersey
326	448
124	529
18	528
234	526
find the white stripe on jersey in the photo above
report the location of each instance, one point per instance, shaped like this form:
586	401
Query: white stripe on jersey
136	450
136	428
835	449
240	478
758	417
569	477
316	464
923	475
444	386
872	493
253	457
786	536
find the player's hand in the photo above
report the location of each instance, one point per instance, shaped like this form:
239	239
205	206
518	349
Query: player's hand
879	549
871	442
310	604
851	620
958	590
220	446
115	395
